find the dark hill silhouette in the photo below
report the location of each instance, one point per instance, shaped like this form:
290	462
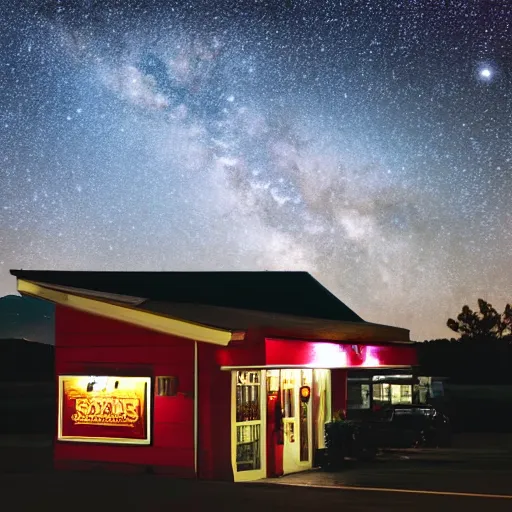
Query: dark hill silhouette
26	361
28	318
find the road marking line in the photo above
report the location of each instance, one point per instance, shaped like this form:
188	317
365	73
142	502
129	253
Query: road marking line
404	491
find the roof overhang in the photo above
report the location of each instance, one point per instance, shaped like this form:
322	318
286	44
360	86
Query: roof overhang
118	309
208	323
273	325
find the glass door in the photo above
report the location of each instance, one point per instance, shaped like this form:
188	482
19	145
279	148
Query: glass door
248	425
297	424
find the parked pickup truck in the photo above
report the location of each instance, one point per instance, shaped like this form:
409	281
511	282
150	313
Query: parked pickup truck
410	426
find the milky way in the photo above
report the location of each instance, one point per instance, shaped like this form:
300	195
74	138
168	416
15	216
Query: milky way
369	143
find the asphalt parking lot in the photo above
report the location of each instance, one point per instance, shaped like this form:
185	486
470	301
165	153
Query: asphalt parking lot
480	474
397	481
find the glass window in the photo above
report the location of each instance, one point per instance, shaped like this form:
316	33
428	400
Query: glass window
248	447
406	393
365	396
306	378
358	395
288	393
248	396
248	420
381	393
401	394
272	381
420	394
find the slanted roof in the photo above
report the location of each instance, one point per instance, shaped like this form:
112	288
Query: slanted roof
216	307
280	326
289	293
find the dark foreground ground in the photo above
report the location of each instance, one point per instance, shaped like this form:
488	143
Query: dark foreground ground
108	493
27	482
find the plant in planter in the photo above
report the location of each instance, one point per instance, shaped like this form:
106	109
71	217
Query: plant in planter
337	441
347	438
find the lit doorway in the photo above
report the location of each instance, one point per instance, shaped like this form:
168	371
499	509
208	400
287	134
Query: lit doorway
303	399
297	421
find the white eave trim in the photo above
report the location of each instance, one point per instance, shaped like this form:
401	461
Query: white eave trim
125	313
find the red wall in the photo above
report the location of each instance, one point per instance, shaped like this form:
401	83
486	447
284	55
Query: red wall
338	390
86	343
214	421
248	352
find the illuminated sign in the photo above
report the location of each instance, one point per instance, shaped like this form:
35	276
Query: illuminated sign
329	355
101	409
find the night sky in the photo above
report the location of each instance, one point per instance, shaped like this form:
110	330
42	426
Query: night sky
368	142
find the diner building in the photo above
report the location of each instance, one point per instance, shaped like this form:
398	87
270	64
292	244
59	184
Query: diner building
212	375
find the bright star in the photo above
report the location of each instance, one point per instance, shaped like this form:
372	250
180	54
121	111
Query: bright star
486	73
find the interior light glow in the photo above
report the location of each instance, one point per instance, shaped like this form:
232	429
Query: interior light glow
378	378
371	359
327	355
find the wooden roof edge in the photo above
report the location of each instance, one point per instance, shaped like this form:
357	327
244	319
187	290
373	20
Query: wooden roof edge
129	314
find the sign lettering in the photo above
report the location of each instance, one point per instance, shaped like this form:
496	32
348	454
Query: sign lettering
106	411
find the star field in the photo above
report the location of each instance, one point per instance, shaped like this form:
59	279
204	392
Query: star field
369	143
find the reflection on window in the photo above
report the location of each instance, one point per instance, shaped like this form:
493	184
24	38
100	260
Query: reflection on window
392	393
306	378
248	419
248	447
248	396
401	394
288	393
272	381
420	394
358	395
381	393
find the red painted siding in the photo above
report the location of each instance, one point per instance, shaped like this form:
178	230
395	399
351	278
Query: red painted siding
214	421
249	352
86	344
338	390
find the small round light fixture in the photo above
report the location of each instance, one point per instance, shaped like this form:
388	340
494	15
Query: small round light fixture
305	394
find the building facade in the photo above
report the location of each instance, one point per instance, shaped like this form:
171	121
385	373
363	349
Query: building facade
228	376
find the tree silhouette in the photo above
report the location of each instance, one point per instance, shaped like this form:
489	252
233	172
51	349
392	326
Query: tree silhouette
485	325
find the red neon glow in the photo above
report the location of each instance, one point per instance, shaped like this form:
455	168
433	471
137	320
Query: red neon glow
328	355
333	355
371	359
